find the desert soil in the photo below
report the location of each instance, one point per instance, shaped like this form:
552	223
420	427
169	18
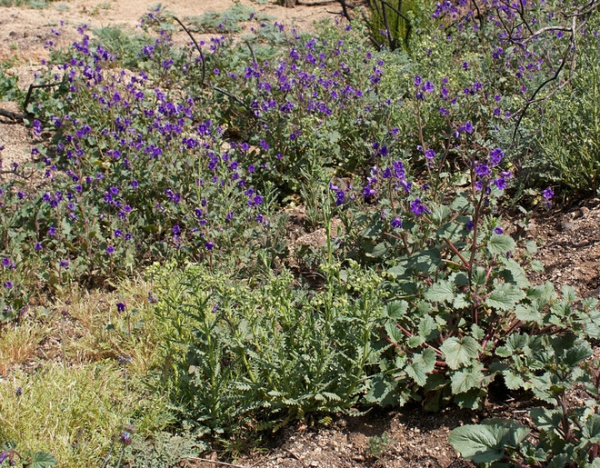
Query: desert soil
407	437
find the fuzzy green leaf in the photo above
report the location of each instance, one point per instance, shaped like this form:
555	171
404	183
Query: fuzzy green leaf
528	314
477	442
427	327
513	381
460	352
486	442
395	309
442	291
591	429
514	273
394	333
422	364
466	379
505	297
42	460
500	244
460	301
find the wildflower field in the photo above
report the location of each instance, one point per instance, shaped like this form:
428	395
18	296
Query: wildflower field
229	226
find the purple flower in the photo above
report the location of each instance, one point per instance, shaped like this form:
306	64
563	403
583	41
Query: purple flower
51	231
38	246
396	223
500	183
428	87
176	230
258	200
6	262
430	154
209	245
8	285
418	80
125	438
498	230
482	170
470	225
548	193
110	250
64	264
496	156
120	307
417	207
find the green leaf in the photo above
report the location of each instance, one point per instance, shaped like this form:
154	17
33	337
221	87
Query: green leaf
528	314
415	341
591	429
439	214
460	301
442	291
395	309
514	273
505	297
574	355
427	328
460	352
500	244
513	381
531	247
422	364
477	442
487	442
381	392
42	460
536	266
466	379
394	333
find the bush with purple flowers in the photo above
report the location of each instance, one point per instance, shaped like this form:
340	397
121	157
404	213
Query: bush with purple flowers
178	155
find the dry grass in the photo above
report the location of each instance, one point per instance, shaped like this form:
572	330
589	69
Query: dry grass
18	345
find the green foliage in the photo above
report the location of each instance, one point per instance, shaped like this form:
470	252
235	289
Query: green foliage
9	88
26	459
225	22
390	23
255	358
76	411
379	445
124	46
164	449
38	4
565	433
569	141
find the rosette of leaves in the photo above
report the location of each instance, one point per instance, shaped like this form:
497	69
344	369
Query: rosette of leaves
566	429
450	333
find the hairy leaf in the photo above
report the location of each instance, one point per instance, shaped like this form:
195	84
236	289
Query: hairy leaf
460	352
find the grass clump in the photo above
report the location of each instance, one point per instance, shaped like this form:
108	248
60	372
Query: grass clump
74	412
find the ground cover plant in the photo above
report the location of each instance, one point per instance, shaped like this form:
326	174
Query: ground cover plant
175	162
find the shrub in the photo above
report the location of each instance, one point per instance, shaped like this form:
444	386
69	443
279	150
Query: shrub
256	358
